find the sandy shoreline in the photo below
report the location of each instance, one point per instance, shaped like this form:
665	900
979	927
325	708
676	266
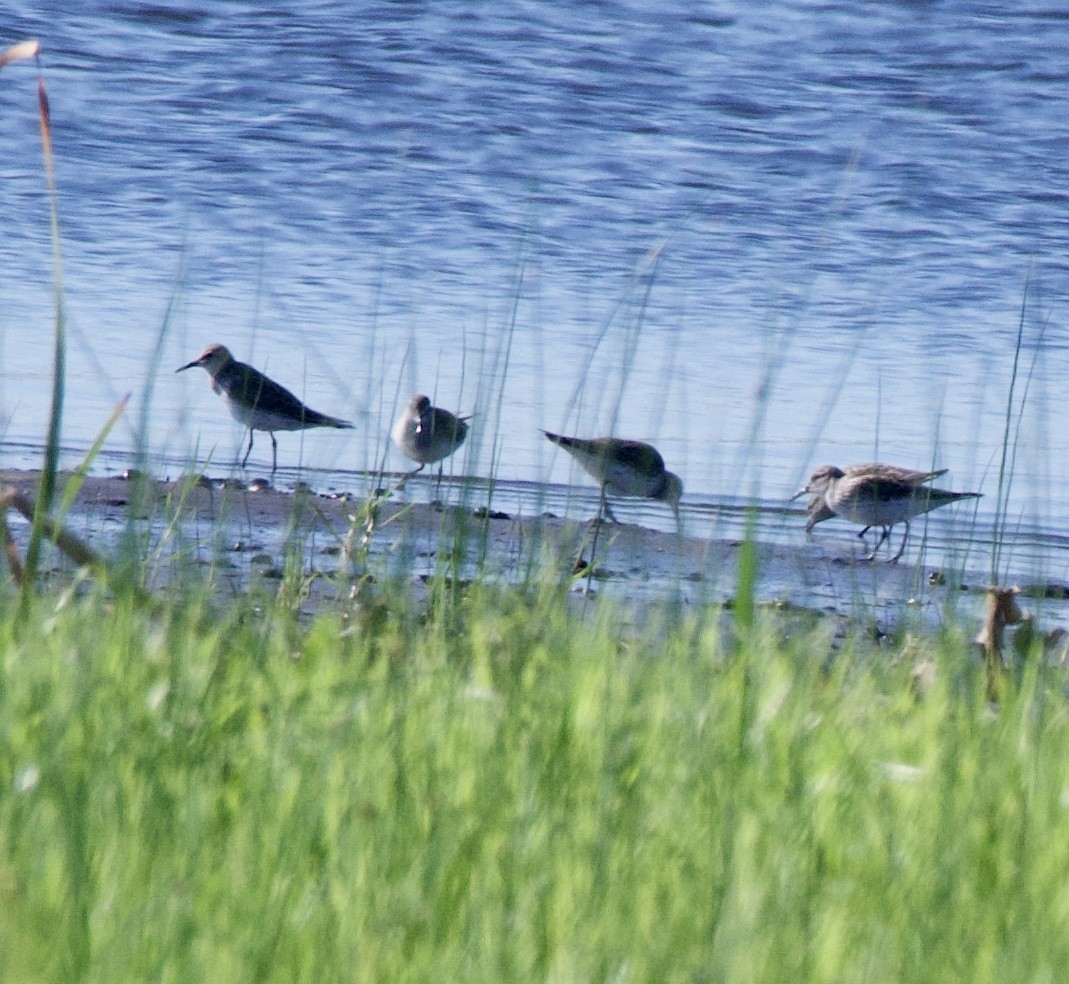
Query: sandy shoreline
247	533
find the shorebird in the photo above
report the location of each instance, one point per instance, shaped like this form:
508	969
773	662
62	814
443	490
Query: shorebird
256	401
877	495
426	433
818	511
624	468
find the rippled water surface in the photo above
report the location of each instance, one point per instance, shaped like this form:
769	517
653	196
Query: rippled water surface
762	236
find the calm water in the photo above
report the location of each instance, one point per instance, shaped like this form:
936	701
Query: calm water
762	236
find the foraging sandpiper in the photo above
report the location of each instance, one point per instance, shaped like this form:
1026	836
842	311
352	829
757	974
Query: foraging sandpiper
427	433
624	468
256	401
876	495
818	511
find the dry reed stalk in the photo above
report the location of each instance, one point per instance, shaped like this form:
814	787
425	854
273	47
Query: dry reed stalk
77	550
47	485
1000	610
20	52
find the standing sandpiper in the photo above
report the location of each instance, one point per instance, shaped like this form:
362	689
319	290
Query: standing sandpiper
624	468
818	511
256	401
877	495
426	433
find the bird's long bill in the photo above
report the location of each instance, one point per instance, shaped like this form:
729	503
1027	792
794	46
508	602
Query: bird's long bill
797	495
188	365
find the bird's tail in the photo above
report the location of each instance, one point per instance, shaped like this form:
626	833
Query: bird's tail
315	419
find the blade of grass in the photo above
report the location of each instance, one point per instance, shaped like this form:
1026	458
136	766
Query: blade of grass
1006	462
47	485
80	473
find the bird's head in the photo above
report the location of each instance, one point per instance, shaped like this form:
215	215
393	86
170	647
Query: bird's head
213	358
819	481
671	492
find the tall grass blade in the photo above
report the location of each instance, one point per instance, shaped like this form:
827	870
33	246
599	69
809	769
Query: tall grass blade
70	490
155	361
1009	447
47	485
746	591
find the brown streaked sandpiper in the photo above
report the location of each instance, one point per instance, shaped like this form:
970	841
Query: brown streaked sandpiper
426	433
818	511
624	468
257	401
878	495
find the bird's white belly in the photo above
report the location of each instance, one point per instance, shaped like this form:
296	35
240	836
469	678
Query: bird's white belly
259	418
869	511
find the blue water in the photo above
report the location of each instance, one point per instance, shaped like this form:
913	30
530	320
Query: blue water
763	236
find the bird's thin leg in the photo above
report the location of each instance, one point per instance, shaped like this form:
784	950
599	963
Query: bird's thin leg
607	510
861	535
248	451
894	559
602	505
405	477
879	543
274	453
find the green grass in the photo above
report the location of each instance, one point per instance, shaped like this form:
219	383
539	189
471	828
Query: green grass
490	788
